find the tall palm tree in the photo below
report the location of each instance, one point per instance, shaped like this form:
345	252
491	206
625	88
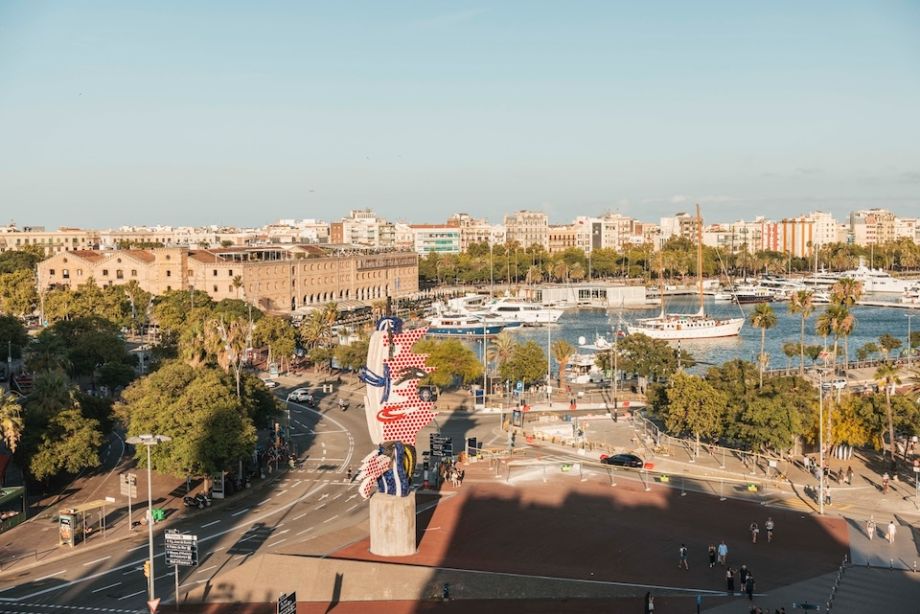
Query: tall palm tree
501	348
846	291
803	303
562	352
11	423
825	326
845	325
763	318
886	376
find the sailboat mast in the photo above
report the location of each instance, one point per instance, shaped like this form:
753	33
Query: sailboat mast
661	280
699	256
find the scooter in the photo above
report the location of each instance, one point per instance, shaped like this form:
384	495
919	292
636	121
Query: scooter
343	405
203	499
192	502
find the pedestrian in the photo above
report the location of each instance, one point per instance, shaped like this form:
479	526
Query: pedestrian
892	530
723	553
749	587
754	531
870	527
712	556
806	463
683	558
849	476
348	475
768	525
840	476
827	495
730	581
743	574
885	479
649	603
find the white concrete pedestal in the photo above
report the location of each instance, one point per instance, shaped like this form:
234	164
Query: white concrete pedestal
392	522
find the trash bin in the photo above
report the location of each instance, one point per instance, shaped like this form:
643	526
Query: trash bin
158	514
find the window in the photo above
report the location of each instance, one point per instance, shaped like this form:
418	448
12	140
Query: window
230	273
229	288
168	273
119	274
79	272
65	273
105	272
215	289
169	288
215	272
133	272
51	272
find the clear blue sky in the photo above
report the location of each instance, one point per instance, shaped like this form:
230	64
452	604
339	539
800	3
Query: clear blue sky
243	112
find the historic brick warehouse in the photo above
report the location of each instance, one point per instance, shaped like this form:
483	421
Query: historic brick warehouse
277	279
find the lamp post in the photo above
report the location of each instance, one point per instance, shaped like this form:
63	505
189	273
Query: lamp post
908	316
821	443
149	441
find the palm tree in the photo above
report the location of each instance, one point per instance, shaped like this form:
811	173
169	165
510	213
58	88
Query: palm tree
845	325
887	376
501	348
802	302
237	284
11	423
846	291
562	352
763	318
790	349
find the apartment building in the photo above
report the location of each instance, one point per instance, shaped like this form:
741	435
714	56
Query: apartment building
276	279
363	227
562	237
51	241
473	231
680	225
435	239
527	228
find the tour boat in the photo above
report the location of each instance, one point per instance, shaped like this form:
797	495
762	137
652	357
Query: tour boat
682	326
513	310
747	294
466	325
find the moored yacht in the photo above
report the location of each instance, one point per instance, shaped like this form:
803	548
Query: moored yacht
513	310
466	325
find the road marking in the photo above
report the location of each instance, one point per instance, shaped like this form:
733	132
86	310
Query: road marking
263	502
323	496
299	517
219	549
205	569
330	519
210	524
195	583
321	416
57	573
132	595
350	498
276	543
283	532
352	507
235	514
105	558
138	547
305	531
130	571
105	588
64	585
321	506
281	493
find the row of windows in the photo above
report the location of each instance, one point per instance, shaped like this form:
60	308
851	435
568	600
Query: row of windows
119	274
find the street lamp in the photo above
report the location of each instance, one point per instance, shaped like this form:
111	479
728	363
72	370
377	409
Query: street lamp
149	441
908	316
821	442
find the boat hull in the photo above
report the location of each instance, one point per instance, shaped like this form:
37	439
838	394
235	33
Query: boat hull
479	330
682	329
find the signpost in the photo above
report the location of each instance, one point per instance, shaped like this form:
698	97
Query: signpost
181	550
128	484
287	603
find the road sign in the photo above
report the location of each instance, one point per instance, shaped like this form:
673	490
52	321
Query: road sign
287	603
153	604
181	549
128	484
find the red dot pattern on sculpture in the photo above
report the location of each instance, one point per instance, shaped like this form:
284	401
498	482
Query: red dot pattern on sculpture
403	419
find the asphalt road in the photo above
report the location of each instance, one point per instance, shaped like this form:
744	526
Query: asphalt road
296	505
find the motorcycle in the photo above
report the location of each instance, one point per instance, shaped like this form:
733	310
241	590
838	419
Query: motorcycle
203	499
192	502
343	405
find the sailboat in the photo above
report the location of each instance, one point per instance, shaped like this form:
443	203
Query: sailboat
682	326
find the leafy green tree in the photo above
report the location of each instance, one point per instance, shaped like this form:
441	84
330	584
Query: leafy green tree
11	422
211	425
70	445
647	357
501	348
354	355
452	361
172	309
867	350
527	363
278	335
695	407
888	344
19	260
792	349
13	336
763	318
115	375
17	293
813	352
802	302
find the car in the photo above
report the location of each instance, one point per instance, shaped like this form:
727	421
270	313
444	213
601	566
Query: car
836	384
623	460
301	395
270	383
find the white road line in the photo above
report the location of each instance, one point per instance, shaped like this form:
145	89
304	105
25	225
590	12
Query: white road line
235	514
195	583
282	532
330	519
64	585
350	498
321	416
281	493
263	502
104	588
352	507
210	524
299	517
138	547
305	531
57	573
276	543
321	506
219	549
105	558
132	595
205	569
131	571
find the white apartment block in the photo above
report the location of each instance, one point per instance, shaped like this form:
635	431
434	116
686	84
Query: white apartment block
51	241
435	239
363	227
872	226
527	228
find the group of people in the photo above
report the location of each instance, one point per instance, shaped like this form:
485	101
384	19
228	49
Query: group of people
451	471
890	531
768	527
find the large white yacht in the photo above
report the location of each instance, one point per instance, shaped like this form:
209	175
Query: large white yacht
513	310
682	326
873	280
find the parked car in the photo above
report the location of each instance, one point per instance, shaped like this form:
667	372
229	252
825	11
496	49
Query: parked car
836	384
270	383
301	395
623	460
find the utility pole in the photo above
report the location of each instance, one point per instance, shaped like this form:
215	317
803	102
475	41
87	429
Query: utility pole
908	316
821	443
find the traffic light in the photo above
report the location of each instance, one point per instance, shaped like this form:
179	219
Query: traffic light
146	569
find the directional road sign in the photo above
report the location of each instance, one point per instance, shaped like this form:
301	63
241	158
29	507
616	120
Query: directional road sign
181	549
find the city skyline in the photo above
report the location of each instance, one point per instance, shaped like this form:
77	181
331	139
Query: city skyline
234	116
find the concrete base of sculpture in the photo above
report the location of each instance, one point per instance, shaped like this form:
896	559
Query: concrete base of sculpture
392	525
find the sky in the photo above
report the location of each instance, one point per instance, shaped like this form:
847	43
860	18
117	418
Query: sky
240	113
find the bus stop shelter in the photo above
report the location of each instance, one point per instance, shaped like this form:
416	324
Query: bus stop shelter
77	523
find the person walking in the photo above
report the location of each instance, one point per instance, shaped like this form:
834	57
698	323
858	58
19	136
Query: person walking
768	525
849	475
743	574
892	530
827	495
749	587
754	531
885	479
712	556
730	581
682	552
723	553
649	603
870	527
